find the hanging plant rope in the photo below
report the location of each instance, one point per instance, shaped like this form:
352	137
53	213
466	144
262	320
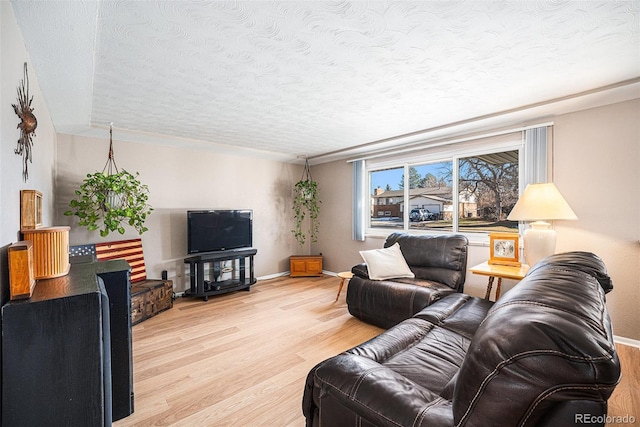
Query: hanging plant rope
112	197
110	166
306	173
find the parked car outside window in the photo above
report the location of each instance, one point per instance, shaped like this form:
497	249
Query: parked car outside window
422	215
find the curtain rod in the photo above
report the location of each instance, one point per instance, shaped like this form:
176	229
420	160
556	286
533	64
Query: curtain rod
441	142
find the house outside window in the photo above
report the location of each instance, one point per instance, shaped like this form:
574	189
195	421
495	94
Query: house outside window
472	190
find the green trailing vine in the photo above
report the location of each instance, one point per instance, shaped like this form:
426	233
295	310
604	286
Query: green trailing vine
306	202
109	201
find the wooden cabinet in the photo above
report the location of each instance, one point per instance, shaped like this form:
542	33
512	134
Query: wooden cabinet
305	265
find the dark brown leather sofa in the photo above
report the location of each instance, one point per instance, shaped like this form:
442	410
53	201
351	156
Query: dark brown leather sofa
439	264
543	355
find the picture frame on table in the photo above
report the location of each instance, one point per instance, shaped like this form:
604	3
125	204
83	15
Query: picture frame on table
504	249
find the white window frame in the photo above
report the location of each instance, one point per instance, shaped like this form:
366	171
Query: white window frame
449	151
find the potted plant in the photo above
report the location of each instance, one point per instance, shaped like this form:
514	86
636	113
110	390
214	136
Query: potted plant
109	200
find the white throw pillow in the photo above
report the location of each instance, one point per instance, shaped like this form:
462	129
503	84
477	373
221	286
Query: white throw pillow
387	263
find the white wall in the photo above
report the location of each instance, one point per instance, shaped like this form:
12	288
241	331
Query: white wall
595	161
42	170
181	179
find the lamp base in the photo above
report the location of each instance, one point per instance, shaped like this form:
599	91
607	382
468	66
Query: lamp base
539	242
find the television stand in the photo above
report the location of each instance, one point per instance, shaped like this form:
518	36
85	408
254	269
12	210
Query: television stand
220	278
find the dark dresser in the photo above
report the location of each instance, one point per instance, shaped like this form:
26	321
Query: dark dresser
56	357
67	350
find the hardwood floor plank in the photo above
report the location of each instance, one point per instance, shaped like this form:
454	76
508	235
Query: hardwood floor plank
241	359
625	400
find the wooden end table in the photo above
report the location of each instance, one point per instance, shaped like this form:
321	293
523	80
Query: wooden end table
345	275
501	272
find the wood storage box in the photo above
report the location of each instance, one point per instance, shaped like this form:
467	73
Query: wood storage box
50	251
30	209
149	298
305	265
21	278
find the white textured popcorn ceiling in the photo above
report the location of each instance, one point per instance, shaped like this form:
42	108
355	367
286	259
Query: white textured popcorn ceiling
307	78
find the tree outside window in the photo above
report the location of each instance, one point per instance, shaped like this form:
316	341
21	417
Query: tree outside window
488	190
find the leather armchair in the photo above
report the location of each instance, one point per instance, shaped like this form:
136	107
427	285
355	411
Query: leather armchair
439	264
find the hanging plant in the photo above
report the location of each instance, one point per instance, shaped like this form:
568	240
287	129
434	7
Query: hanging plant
111	199
306	202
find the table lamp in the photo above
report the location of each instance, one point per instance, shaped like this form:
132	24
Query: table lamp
540	203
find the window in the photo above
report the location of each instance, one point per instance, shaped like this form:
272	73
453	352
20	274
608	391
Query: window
487	191
469	185
387	198
486	188
430	190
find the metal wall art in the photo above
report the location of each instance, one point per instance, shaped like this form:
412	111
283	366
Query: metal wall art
27	125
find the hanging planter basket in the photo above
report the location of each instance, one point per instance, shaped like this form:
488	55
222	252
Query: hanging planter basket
111	199
306	202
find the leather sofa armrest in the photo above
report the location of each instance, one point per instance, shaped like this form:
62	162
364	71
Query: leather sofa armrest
361	270
378	394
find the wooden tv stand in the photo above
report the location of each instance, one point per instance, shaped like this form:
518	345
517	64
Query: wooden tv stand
216	283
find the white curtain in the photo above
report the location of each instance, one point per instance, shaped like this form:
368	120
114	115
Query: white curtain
359	200
535	155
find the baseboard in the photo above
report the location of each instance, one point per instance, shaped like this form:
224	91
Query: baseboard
286	273
626	341
273	276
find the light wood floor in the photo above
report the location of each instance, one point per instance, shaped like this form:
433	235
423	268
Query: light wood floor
241	359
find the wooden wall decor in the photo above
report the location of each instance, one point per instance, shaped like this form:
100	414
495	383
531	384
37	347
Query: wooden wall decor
30	209
28	124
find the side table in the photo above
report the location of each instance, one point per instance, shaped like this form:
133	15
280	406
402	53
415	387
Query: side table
501	272
345	275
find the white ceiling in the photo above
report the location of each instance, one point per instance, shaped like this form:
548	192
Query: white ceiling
283	79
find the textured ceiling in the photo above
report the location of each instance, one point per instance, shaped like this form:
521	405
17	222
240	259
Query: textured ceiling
296	78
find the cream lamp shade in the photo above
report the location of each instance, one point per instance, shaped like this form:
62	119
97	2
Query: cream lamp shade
540	203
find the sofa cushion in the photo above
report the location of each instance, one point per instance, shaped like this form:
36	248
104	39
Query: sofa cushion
386	303
416	359
459	313
387	263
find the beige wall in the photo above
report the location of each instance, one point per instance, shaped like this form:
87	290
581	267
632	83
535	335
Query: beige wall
182	179
42	169
595	165
596	154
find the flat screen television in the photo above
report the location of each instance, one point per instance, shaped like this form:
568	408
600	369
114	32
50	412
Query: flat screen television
219	230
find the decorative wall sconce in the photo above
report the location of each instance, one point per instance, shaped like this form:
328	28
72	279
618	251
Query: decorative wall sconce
28	123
